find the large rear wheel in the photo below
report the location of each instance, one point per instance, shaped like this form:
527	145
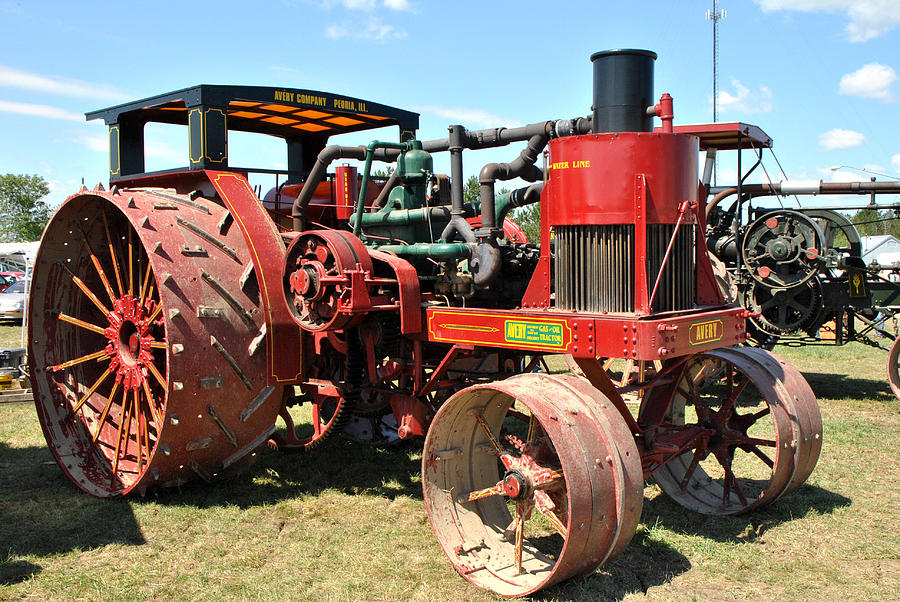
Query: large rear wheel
146	339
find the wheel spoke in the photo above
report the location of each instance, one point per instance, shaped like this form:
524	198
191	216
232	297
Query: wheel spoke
90	295
755	441
760	414
90	391
520	535
102	420
481	493
151	403
155	313
545	480
123	418
532	429
734	391
159	378
82	324
695	462
146	282
487	431
762	456
130	264
729	474
146	435
80	360
103	279
112	255
545	506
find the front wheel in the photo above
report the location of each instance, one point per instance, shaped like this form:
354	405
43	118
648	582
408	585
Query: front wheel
530	480
737	428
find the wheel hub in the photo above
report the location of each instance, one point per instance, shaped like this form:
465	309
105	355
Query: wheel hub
129	339
515	486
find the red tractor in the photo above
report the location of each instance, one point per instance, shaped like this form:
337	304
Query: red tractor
175	317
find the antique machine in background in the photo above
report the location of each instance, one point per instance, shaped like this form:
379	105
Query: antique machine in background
797	263
175	317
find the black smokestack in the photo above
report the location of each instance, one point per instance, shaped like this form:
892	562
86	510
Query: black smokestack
623	89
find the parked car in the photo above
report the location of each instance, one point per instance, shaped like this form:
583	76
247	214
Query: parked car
5	281
12	301
13	275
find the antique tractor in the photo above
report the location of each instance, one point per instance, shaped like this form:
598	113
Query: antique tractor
175	317
797	265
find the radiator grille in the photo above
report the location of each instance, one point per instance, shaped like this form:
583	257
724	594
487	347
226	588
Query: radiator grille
595	266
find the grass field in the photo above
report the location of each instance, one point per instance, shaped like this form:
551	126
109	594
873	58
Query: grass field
347	522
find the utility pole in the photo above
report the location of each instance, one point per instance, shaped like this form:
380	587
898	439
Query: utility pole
715	15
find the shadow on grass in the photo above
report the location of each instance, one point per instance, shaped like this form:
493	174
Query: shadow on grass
841	386
644	563
42	513
746	527
336	464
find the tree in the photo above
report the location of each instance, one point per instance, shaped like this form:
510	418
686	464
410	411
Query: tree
529	219
472	191
23	214
867	221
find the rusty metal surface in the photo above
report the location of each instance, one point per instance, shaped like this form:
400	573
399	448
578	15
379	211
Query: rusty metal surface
164	393
560	442
266	251
735	430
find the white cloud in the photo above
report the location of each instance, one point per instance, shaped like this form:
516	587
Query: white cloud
867	19
98	143
870	81
33	110
745	101
466	116
14	78
374	30
895	161
368	5
839	139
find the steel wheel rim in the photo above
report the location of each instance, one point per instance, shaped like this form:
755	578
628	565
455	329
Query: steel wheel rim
476	527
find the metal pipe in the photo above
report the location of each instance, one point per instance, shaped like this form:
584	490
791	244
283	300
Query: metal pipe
403	217
317	175
516	198
457	225
522	167
439	251
391	183
786	187
370	153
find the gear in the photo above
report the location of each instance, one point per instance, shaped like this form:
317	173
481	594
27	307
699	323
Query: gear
784	310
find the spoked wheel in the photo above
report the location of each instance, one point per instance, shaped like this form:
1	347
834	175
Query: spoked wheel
739	428
893	367
529	481
145	338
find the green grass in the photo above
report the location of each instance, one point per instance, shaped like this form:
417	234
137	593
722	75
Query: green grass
347	522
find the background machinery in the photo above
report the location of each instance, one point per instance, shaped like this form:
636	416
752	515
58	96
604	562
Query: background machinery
797	265
175	317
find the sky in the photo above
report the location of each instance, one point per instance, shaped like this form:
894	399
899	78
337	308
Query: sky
818	76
